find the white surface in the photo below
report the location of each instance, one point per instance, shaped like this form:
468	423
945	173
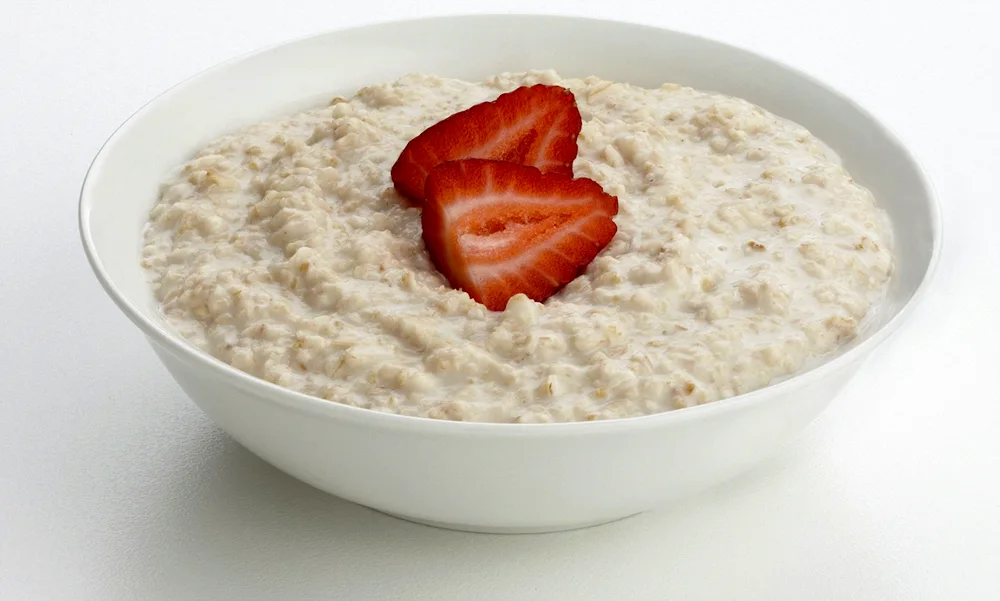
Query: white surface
113	486
488	477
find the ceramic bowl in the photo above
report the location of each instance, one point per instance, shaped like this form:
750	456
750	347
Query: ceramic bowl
478	476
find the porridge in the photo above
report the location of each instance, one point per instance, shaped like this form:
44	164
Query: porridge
743	251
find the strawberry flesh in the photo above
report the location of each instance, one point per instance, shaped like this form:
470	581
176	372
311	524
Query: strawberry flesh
496	229
536	125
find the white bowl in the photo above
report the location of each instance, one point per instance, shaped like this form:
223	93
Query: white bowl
475	476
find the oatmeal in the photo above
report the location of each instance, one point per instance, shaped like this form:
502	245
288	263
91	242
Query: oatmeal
743	251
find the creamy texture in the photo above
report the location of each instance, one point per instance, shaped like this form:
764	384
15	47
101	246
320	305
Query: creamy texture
743	250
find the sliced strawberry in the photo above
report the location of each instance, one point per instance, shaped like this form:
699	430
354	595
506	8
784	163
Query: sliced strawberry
495	229
535	126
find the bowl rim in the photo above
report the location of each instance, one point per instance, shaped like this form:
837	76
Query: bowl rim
326	409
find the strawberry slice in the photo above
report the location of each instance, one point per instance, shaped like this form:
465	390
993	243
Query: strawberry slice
495	229
535	126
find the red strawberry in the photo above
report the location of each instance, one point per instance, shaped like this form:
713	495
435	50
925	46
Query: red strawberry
495	229
535	126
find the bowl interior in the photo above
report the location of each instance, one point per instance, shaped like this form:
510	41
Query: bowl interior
123	182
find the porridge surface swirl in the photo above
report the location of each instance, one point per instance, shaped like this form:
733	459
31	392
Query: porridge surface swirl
743	250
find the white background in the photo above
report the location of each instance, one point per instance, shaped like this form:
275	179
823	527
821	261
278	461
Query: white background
113	486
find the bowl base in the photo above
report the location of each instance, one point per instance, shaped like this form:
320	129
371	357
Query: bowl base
504	530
